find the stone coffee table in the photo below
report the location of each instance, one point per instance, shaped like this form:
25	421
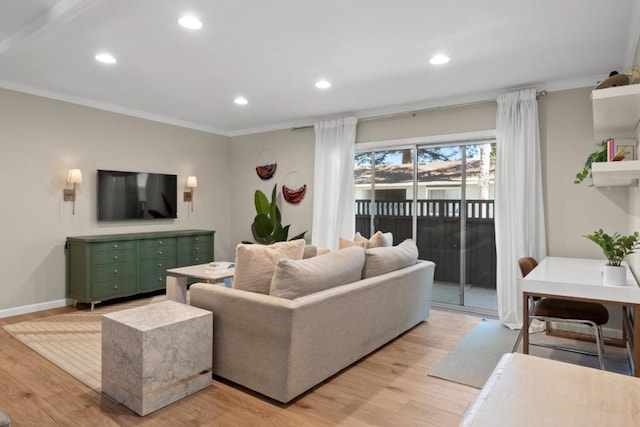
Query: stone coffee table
156	354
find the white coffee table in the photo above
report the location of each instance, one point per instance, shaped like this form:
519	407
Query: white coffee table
177	278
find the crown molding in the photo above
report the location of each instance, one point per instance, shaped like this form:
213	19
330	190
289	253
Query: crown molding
31	90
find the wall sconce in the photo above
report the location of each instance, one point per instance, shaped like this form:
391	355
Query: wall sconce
69	194
192	182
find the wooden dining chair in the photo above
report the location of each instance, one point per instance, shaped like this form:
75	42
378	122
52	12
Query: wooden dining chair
566	311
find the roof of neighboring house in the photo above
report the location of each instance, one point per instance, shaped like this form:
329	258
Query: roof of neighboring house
434	171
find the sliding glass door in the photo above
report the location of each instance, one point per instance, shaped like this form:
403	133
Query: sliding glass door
442	197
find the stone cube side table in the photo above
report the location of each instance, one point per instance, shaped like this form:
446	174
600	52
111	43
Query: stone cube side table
156	354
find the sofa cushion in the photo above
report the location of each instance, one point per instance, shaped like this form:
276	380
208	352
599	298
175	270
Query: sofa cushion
254	264
293	279
378	240
385	259
344	243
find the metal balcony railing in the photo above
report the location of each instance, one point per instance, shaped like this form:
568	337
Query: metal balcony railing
438	234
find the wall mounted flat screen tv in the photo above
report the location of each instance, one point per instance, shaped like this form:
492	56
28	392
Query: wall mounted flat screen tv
136	195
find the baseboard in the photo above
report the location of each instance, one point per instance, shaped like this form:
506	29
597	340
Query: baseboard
26	309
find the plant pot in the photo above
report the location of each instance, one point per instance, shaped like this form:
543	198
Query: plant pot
614	275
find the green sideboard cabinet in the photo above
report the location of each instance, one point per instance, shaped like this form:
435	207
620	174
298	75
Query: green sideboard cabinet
117	265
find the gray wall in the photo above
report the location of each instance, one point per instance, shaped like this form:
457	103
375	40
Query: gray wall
42	139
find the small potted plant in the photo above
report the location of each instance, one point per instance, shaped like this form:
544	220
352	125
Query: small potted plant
615	247
597	156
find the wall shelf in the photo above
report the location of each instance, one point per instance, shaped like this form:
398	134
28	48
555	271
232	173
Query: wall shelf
616	112
611	174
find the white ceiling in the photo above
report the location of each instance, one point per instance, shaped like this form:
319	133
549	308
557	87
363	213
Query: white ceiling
375	53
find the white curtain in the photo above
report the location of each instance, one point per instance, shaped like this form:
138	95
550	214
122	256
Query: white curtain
333	193
519	206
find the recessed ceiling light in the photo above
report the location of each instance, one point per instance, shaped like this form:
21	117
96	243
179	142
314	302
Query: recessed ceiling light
241	100
105	58
190	22
439	60
323	84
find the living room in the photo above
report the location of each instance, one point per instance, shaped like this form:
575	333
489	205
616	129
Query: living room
44	137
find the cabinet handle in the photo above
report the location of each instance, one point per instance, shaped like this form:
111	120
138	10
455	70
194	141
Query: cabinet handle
197	239
197	259
160	242
115	271
159	265
159	279
115	246
197	249
115	257
159	252
115	286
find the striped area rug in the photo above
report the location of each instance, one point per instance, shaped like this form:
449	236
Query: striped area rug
73	341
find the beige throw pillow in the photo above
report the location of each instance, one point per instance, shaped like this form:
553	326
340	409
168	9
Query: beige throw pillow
344	243
378	240
254	264
385	259
293	279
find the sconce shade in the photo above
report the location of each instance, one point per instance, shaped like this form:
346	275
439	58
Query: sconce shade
75	176
192	182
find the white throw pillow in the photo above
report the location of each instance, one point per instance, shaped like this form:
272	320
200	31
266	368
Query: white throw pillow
254	264
385	259
293	279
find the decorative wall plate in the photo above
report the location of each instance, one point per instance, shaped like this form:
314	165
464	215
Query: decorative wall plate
296	194
266	171
267	165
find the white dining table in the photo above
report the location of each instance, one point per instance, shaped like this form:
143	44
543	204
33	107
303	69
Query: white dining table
580	279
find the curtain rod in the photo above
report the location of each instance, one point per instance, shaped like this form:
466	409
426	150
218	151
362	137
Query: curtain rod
539	94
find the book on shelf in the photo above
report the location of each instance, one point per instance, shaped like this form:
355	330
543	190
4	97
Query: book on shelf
620	149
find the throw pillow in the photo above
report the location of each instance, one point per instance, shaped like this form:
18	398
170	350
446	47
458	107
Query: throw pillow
344	243
376	241
385	259
254	264
293	279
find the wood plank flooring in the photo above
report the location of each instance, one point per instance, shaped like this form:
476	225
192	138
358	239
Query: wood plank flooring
390	387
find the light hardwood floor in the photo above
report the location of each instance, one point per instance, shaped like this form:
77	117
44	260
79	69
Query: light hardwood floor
390	387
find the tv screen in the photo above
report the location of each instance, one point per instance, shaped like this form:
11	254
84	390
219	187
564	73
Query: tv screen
136	195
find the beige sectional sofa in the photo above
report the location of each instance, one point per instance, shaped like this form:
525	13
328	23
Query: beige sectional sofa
282	347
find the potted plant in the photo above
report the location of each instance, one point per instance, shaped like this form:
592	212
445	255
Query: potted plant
615	247
267	225
597	156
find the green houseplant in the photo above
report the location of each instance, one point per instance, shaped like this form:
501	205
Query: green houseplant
616	246
267	225
599	155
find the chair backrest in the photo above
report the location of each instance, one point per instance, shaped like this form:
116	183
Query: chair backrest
527	264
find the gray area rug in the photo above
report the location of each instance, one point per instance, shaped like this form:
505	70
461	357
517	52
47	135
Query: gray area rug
472	360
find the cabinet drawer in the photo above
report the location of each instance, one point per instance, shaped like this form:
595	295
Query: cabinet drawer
150	282
157	265
113	288
195	258
193	244
113	256
157	252
157	243
113	271
115	245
